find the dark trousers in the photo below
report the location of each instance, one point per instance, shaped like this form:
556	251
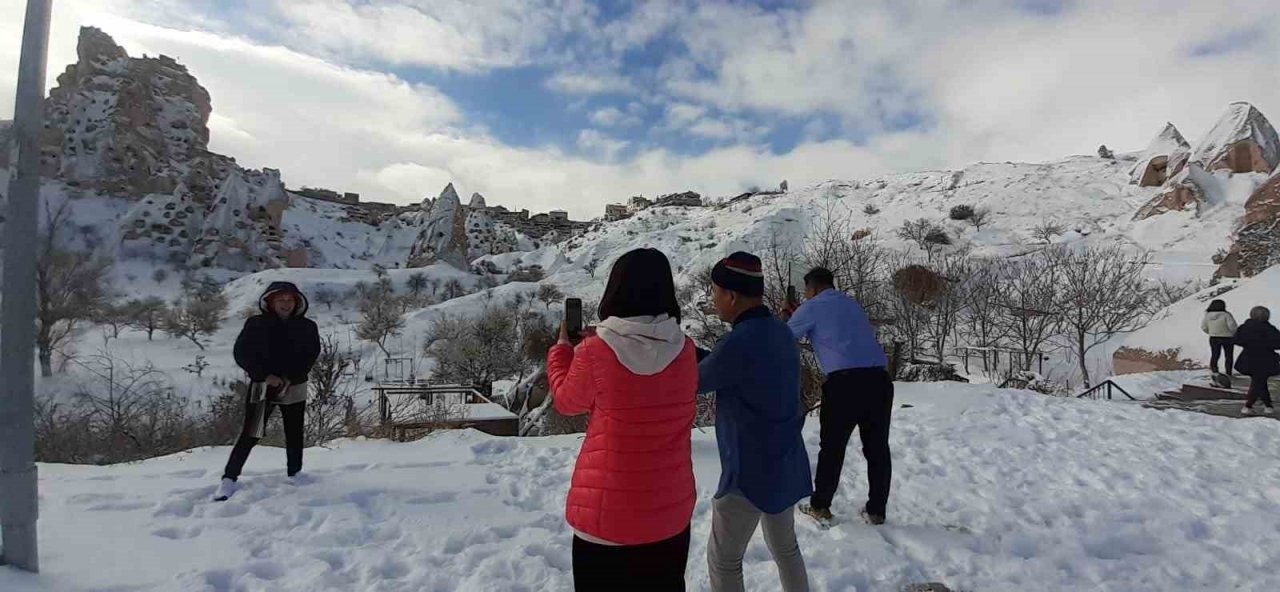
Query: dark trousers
293	417
658	567
1258	389
860	398
1222	346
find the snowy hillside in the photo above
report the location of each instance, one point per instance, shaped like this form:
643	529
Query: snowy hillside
1176	335
993	491
1090	197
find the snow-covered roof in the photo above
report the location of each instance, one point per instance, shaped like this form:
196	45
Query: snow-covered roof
488	411
1242	121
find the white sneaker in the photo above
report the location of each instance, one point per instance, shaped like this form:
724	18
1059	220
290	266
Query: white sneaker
1247	411
226	489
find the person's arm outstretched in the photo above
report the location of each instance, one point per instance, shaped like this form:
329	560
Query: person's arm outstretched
573	389
802	321
721	367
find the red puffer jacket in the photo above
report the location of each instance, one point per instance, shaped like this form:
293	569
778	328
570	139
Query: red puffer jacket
633	483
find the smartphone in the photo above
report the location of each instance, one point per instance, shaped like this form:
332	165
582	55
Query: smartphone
573	317
792	299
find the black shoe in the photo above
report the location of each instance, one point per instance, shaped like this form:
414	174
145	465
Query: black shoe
872	519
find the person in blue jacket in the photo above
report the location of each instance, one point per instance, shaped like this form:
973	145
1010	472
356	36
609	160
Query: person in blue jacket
858	393
764	468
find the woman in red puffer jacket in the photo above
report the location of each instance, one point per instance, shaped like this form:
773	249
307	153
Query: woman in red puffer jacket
633	491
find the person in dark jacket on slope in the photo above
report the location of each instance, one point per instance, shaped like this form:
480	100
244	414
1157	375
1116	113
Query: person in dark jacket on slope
277	349
764	467
1258	340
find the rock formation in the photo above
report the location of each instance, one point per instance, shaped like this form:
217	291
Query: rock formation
1242	141
477	202
1180	193
137	128
1257	245
1154	165
444	234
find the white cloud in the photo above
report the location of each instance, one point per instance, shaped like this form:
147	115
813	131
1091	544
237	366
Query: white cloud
993	83
614	117
598	143
578	83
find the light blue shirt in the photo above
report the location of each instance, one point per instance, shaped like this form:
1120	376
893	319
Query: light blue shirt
841	334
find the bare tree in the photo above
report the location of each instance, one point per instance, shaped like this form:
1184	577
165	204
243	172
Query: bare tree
1101	293
979	218
549	294
417	284
866	274
326	297
1046	231
925	234
1165	293
112	315
146	315
118	398
475	351
943	310
826	242
70	287
779	261
380	317
454	289
695	300
979	318
331	410
198	313
1027	300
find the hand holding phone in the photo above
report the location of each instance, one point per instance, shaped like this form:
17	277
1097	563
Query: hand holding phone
573	318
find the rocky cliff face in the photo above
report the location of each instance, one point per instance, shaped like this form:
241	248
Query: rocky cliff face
1257	245
1162	159
138	128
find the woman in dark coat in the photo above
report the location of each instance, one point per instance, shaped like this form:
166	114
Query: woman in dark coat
276	349
1258	340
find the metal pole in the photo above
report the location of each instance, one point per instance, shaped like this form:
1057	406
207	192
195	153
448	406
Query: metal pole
18	495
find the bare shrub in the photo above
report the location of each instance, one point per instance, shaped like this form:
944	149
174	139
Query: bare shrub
1046	231
197	314
961	212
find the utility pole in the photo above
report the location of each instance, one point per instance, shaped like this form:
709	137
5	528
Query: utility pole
18	497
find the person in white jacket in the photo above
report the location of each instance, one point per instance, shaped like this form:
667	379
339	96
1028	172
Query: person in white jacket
1220	326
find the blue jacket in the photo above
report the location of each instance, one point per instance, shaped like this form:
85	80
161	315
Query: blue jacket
755	373
841	334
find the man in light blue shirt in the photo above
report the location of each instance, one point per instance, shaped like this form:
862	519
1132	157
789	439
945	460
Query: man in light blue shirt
858	393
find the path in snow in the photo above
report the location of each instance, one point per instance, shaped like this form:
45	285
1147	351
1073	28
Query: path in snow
994	490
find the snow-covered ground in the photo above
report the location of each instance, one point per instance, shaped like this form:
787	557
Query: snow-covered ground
993	490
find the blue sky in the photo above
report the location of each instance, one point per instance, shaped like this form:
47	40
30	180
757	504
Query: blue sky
577	103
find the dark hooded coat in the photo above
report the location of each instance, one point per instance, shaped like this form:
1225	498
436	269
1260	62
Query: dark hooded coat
270	345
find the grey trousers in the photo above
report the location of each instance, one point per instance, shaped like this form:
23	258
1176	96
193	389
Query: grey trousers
733	523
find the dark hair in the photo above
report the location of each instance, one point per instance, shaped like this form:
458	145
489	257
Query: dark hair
640	285
820	277
1217	306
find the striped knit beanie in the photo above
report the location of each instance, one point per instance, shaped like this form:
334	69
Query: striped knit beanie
741	273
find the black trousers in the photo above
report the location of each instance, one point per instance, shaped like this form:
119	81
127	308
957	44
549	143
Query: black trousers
1222	346
293	417
859	398
1258	389
657	567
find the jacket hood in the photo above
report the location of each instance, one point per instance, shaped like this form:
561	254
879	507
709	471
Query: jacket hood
1217	314
644	345
279	287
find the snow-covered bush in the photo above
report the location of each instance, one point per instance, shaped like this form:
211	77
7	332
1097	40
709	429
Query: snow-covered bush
1028	380
962	212
930	373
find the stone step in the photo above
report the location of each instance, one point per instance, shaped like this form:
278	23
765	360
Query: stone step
1203	392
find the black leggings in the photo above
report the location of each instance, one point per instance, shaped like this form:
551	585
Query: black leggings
1222	346
292	415
656	567
1258	389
